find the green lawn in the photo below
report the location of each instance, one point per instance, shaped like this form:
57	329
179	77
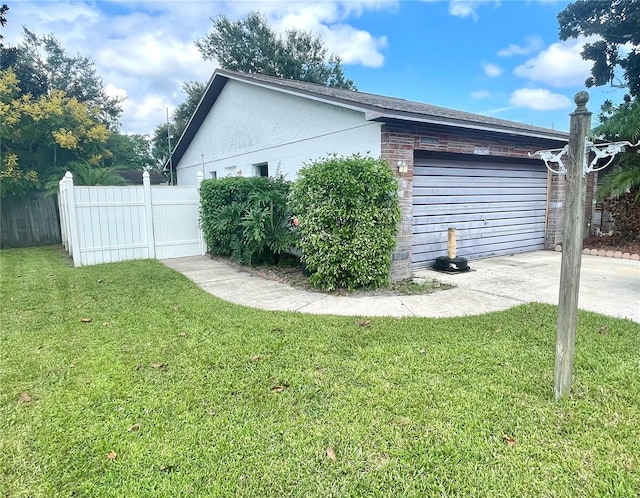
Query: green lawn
198	397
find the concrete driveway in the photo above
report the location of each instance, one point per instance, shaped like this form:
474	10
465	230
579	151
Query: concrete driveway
609	286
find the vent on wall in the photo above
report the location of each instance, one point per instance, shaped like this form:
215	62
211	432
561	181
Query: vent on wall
429	140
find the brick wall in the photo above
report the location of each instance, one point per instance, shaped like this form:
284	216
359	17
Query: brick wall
398	147
555	210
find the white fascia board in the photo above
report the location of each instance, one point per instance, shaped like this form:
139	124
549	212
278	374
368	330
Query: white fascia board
378	116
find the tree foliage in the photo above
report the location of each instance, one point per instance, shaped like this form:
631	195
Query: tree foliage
617	23
41	135
179	119
42	65
128	152
181	115
3	19
251	45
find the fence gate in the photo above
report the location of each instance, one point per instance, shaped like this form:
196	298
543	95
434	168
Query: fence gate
108	224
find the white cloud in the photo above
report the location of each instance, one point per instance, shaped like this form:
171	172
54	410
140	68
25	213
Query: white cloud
539	99
467	8
560	65
354	46
480	94
491	70
533	44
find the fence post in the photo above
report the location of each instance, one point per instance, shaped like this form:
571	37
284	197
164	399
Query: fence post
63	214
74	237
203	245
148	213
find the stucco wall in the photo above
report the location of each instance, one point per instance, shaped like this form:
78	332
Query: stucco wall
250	125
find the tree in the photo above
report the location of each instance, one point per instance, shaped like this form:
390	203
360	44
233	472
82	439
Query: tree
42	65
44	134
160	142
621	122
617	23
182	114
85	174
3	19
179	120
252	46
128	152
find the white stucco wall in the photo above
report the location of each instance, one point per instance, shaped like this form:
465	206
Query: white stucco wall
250	125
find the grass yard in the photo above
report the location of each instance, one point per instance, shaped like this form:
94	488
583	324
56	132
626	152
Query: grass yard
169	391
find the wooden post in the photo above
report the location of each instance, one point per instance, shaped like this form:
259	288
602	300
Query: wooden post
573	233
451	243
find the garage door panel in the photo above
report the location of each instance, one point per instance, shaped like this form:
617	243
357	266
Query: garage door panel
505	225
477	190
463	236
462	173
445	182
420	221
478	251
447	199
471	208
495	208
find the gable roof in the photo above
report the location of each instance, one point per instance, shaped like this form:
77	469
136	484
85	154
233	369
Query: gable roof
374	107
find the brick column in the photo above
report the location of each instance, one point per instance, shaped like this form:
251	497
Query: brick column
590	204
555	210
396	147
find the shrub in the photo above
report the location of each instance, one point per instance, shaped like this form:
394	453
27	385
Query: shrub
246	218
348	213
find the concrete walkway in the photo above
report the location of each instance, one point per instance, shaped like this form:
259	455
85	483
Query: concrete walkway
608	286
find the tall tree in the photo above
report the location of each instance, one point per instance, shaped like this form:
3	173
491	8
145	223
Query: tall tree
182	114
172	131
617	24
128	152
42	65
252	46
45	133
3	19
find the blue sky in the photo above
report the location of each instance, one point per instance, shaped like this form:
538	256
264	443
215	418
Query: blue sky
499	58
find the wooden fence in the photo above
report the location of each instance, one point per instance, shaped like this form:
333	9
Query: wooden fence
108	224
29	221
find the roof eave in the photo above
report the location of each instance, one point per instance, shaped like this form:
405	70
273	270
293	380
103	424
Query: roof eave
459	123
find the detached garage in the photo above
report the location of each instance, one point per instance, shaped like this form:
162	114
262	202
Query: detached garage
454	169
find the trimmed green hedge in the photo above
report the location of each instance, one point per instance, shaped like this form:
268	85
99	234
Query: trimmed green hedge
246	218
348	212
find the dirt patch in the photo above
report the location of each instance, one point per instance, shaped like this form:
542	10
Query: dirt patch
291	273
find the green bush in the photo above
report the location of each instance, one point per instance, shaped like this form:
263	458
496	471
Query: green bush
246	218
348	213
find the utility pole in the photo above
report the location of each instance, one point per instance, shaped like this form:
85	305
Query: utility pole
170	153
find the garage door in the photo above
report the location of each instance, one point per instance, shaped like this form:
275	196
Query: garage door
496	208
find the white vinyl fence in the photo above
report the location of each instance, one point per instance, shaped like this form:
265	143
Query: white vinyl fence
108	224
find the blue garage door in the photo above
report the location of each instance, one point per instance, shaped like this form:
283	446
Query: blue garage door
496	208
